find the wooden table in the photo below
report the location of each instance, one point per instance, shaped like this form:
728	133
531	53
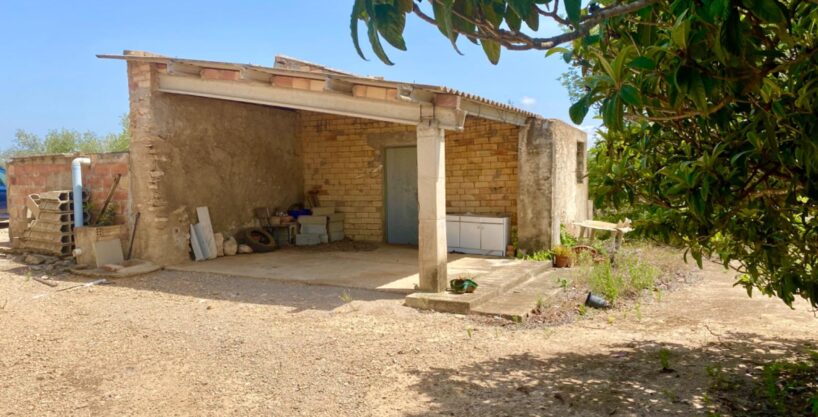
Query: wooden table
589	227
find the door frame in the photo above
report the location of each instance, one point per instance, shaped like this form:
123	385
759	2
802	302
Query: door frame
385	225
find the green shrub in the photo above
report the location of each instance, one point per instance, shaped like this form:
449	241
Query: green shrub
540	256
628	278
567	239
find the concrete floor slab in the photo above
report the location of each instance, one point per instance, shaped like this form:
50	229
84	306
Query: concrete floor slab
385	267
491	285
517	303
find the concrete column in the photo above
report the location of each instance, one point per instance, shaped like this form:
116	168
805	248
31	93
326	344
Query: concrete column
432	207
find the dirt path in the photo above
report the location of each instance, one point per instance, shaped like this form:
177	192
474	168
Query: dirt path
182	344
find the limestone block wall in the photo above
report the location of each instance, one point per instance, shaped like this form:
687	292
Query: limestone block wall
35	174
344	157
192	151
343	160
481	169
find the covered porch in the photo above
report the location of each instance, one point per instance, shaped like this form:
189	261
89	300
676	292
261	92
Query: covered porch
233	137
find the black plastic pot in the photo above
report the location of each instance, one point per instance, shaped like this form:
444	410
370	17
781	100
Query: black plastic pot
595	301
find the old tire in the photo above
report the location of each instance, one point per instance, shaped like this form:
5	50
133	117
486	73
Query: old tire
256	238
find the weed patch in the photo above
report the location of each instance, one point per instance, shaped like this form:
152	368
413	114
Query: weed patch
785	388
628	278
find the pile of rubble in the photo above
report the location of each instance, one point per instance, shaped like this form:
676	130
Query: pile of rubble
43	263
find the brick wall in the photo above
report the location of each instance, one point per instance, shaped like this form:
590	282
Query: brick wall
481	169
35	174
339	161
343	159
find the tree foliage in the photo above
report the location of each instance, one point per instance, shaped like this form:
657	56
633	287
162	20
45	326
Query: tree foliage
68	141
709	108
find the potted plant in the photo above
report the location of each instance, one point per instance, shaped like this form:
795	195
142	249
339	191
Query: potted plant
462	285
511	250
563	256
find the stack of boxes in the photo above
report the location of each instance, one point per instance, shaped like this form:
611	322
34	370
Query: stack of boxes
324	225
51	231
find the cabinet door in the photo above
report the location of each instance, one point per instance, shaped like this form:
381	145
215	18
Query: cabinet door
453	234
470	235
492	237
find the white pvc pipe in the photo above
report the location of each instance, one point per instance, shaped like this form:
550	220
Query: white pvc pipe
76	183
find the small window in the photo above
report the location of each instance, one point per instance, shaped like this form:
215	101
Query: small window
580	162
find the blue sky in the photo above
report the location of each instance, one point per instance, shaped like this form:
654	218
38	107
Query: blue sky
50	77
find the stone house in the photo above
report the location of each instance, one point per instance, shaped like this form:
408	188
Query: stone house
233	137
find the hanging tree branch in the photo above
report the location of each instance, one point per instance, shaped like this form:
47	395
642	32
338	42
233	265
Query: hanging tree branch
516	40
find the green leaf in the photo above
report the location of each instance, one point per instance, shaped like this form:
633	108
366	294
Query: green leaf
513	20
521	7
766	10
443	17
463	8
696	91
533	20
605	65
619	63
390	23
357	11
579	110
612	113
492	50
630	95
376	43
556	50
719	9
573	9
680	31
491	14
643	63
405	6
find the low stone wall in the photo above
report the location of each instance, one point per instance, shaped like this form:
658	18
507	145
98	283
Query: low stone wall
36	174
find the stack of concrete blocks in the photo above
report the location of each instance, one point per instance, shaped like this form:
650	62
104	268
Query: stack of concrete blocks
312	230
335	222
51	231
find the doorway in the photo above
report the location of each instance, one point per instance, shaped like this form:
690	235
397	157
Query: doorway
402	195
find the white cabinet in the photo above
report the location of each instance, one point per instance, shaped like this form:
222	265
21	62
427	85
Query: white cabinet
453	230
482	235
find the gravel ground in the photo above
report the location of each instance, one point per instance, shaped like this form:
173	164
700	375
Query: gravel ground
183	344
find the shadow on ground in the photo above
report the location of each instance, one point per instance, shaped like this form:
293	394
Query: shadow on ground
297	296
721	378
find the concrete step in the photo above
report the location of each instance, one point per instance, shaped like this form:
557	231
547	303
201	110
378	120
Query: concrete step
490	285
518	302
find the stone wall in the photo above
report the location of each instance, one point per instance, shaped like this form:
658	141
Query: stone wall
551	190
344	156
343	161
190	151
570	186
36	174
481	169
